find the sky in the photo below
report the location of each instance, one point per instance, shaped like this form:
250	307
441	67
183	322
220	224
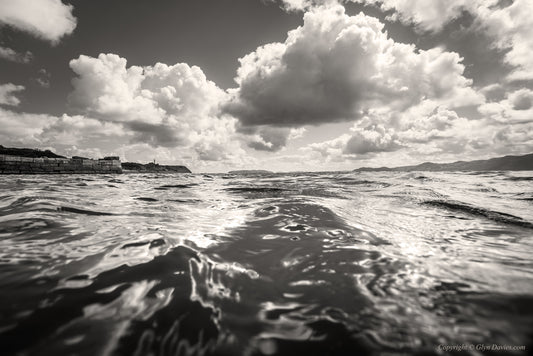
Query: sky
282	85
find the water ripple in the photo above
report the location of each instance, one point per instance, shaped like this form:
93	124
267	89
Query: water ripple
281	264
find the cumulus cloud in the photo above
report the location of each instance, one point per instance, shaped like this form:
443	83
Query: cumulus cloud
7	94
431	127
105	86
329	150
371	138
14	56
59	131
514	138
266	138
512	30
335	68
292	5
426	15
432	130
516	107
367	137
509	25
21	128
427	123
521	99
493	92
46	19
296	133
65	130
402	101
89	137
161	105
163	112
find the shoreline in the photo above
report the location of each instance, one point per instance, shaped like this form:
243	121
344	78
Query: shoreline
10	164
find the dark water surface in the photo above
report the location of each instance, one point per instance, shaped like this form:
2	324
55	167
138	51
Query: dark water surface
283	264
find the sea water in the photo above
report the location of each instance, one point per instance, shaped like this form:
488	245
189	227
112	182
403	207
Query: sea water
282	264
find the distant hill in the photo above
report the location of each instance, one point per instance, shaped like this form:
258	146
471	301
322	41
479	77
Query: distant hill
250	171
28	152
506	163
153	167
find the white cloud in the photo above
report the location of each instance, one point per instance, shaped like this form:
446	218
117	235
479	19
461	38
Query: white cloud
7	94
413	110
106	87
296	133
14	56
169	113
367	137
425	127
427	122
512	30
22	128
515	138
65	131
58	131
509	25
370	137
335	68
267	138
94	138
493	92
161	105
432	128
432	131
47	19
521	99
292	5
426	15
516	107
328	150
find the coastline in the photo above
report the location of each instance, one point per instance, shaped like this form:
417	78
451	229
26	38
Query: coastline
45	165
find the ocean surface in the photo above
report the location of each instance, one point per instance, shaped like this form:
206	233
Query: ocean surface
377	263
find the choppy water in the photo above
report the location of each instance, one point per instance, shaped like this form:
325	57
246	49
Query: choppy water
289	264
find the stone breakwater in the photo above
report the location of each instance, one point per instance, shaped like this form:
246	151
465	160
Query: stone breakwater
43	165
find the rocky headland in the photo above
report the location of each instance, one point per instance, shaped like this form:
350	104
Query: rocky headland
134	167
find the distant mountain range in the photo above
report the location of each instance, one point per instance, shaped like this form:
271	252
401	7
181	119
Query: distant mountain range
506	163
250	171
